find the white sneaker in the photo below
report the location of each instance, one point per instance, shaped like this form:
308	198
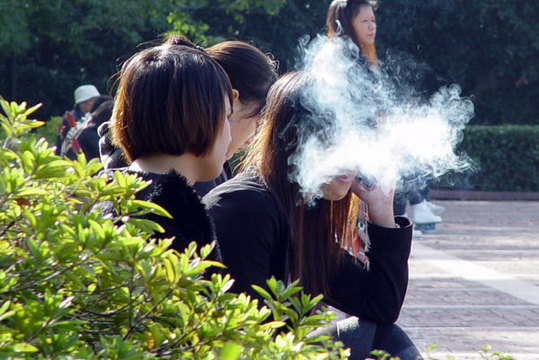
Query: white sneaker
436	209
416	233
423	214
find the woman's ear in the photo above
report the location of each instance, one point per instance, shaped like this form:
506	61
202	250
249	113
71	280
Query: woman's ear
236	103
235	95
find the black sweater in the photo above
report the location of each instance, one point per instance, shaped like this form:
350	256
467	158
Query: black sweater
254	235
190	220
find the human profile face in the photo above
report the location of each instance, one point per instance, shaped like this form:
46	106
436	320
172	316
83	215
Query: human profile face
86	106
242	125
338	187
364	25
213	161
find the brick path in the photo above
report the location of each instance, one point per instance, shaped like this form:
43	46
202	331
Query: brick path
476	281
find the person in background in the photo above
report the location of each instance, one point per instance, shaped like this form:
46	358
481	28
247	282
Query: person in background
171	119
267	227
251	73
424	212
87	136
355	19
85	97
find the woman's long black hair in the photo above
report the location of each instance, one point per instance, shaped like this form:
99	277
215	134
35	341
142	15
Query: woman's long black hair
316	231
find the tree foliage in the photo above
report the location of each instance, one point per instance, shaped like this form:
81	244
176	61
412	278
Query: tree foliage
278	31
51	47
48	48
488	47
75	284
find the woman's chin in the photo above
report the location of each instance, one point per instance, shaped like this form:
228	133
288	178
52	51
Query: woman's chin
335	193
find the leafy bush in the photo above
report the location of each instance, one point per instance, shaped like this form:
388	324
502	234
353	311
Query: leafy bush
49	130
74	284
506	159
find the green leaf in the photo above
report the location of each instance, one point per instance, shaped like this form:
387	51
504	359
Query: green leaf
30	192
146	225
231	351
91	289
4	313
156	209
25	348
262	292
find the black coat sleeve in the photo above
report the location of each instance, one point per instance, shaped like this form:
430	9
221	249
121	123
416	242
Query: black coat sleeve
375	290
89	142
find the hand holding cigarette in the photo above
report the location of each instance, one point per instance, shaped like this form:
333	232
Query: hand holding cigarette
378	200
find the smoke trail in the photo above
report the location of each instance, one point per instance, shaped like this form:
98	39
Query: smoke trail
375	122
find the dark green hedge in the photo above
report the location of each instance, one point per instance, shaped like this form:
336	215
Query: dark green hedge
506	159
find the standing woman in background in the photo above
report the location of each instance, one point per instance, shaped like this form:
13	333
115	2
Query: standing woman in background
170	118
355	19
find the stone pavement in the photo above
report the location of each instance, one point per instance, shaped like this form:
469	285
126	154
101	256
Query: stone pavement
475	281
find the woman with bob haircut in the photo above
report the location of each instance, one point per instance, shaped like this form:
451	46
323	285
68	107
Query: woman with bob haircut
251	73
170	118
266	227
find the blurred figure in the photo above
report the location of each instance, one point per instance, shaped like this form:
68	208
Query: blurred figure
85	97
424	213
87	136
355	20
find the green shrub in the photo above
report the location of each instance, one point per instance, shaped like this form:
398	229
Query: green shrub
506	159
49	130
73	284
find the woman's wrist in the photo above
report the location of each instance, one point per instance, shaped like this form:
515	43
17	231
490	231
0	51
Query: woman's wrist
383	218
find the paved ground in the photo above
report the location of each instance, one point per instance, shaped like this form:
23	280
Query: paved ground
475	281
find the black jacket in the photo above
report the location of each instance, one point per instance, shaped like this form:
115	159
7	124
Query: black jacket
254	240
190	220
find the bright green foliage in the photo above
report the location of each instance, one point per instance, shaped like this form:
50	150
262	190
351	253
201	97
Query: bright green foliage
75	284
487	354
49	47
